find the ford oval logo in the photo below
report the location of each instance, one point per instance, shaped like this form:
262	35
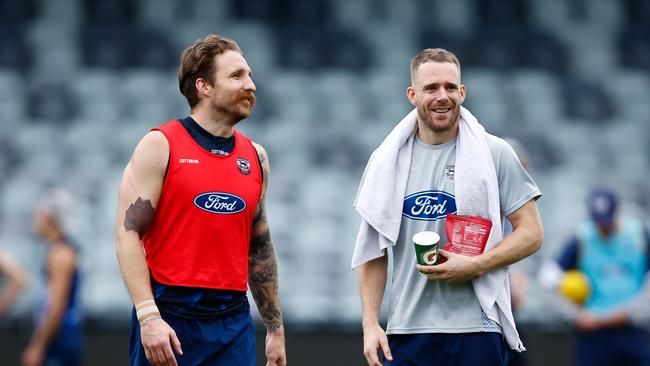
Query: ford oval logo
429	205
220	203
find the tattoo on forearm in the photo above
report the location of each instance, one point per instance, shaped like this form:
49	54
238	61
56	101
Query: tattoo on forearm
263	278
262	264
139	216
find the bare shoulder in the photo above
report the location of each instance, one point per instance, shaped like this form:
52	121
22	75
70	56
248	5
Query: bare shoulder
154	139
264	158
260	149
62	256
151	152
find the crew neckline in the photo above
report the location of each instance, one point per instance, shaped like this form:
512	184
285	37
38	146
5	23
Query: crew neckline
435	147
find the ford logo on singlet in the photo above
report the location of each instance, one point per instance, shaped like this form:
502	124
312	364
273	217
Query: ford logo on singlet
220	203
429	205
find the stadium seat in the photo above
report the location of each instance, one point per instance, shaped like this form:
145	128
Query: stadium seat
586	100
151	50
51	102
17	13
116	13
634	49
14	52
104	47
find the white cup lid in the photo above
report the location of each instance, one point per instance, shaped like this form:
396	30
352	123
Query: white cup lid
426	238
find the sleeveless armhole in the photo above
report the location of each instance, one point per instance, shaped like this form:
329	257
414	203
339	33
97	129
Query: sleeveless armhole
259	162
257	155
169	153
169	156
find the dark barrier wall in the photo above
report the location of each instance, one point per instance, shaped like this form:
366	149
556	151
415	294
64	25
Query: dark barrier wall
305	347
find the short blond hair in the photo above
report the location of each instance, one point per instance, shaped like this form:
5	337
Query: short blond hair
434	55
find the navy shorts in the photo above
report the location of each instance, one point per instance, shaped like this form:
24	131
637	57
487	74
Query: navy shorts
443	349
612	347
217	342
65	349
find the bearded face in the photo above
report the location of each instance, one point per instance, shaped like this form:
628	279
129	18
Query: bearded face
437	95
237	103
438	116
233	93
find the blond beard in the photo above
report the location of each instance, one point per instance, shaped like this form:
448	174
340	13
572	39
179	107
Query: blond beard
426	119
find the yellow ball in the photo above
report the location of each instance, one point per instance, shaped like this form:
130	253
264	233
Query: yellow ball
575	286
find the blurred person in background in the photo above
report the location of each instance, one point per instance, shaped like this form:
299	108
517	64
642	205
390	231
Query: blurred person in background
57	339
14	280
192	230
437	161
612	251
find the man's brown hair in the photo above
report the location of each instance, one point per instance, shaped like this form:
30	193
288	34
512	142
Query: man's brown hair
435	55
197	61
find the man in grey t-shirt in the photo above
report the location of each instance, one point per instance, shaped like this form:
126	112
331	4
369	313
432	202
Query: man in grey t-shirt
436	319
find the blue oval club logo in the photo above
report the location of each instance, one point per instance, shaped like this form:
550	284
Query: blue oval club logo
220	203
429	205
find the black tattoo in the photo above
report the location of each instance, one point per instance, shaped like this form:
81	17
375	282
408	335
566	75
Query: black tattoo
262	157
261	213
139	216
263	276
262	263
265	172
264	287
261	247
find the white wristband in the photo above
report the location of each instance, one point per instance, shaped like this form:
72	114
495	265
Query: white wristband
145	302
146	309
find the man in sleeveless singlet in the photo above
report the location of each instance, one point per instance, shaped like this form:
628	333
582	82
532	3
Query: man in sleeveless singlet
58	338
192	232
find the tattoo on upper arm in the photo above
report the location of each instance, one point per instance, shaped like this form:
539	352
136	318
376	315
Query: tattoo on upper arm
139	216
261	209
261	248
260	215
265	173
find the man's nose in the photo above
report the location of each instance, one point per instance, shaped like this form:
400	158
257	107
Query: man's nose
249	85
441	94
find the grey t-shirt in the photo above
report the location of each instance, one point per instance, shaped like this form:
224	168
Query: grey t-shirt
418	305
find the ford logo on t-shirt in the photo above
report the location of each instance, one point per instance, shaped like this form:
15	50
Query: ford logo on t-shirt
429	205
220	203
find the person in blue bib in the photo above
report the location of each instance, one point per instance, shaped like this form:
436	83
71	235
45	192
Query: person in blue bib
611	250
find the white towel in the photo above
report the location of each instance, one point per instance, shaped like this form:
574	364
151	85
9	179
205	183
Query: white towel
381	193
